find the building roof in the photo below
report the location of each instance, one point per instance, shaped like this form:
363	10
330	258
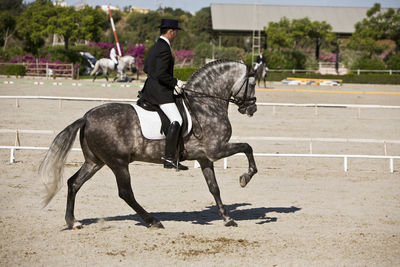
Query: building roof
240	18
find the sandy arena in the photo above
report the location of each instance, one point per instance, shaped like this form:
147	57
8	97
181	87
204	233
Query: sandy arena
295	211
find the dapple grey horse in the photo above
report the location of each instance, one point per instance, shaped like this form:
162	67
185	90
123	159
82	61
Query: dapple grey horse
107	66
261	72
110	135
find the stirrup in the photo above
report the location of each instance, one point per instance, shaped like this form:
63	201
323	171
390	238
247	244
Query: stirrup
171	164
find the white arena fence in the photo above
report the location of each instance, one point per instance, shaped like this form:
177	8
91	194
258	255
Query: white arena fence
345	157
273	105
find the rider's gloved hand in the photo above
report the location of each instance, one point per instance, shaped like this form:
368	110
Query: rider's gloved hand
178	87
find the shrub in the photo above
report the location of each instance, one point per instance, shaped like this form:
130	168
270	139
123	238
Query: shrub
349	78
183	56
364	63
203	51
286	60
184	73
393	62
17	70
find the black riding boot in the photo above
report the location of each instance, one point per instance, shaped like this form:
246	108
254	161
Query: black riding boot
171	144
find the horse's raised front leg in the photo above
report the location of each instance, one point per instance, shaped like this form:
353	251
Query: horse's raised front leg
208	171
233	148
125	192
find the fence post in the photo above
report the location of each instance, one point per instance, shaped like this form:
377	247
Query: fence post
72	71
358	72
17	142
345	164
391	165
12	158
390	72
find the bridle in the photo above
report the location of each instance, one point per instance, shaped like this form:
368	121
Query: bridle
242	102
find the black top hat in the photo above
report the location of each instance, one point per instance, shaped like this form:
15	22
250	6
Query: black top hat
169	24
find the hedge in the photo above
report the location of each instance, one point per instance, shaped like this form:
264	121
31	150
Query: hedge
371	78
184	73
17	70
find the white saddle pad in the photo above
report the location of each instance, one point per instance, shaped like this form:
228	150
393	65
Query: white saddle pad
150	122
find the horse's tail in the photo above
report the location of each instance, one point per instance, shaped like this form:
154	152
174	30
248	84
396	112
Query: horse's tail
96	68
51	168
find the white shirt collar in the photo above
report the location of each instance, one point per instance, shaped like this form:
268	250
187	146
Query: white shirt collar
165	39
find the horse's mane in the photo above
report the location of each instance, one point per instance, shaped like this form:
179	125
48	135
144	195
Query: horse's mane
200	73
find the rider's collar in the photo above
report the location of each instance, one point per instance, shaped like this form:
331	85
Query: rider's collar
165	39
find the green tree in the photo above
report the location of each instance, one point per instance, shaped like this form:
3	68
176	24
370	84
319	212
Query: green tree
65	22
14	7
92	23
7	27
378	25
144	26
200	26
32	24
320	32
278	34
72	25
299	33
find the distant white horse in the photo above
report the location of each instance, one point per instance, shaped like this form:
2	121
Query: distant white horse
107	65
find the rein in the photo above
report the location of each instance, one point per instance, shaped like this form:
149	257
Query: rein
232	99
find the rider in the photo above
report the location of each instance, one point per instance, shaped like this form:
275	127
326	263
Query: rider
159	87
260	59
113	56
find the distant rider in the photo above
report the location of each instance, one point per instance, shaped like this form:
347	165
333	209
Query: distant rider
260	59
114	57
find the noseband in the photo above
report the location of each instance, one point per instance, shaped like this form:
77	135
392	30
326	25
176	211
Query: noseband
245	101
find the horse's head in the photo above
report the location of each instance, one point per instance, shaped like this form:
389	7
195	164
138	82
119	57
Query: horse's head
226	80
244	97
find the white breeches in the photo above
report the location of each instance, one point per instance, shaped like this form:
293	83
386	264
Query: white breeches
172	112
114	59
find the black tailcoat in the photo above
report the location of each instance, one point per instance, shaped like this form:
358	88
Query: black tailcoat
159	67
260	59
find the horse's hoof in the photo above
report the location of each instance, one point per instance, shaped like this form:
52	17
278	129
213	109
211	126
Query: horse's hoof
231	223
76	226
244	179
157	225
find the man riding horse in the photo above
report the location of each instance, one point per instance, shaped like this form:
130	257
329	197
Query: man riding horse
160	84
260	60
114	57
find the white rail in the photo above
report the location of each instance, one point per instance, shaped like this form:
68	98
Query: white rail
310	140
345	157
100	99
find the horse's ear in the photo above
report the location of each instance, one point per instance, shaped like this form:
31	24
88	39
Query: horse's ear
249	68
251	73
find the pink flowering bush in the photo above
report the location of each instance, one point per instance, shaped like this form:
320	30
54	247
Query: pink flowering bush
184	56
37	66
328	57
137	51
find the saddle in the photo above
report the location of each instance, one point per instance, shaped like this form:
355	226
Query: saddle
165	122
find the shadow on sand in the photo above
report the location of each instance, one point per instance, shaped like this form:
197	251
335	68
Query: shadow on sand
206	216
